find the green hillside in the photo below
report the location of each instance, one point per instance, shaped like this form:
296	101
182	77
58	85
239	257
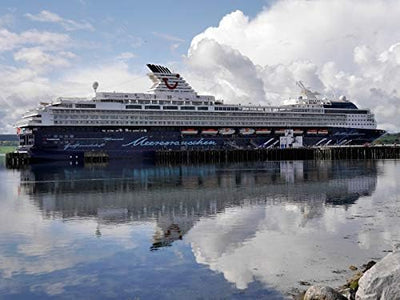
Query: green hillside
8	143
7	149
390	138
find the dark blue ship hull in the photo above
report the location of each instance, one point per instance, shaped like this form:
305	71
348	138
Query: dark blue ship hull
73	143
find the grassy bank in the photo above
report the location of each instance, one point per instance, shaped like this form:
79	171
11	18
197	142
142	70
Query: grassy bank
390	138
6	149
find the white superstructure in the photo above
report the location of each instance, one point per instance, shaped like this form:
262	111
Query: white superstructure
172	102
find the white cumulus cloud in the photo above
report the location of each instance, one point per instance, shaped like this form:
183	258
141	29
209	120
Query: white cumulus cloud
11	40
38	58
67	24
225	73
125	56
335	46
25	87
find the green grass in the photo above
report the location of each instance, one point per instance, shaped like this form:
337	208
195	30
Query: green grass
6	149
389	138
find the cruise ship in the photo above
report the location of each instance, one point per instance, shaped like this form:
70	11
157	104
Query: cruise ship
173	116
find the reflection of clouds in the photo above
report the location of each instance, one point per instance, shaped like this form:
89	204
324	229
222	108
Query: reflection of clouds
54	288
380	213
37	245
51	289
243	224
285	242
332	218
276	249
40	250
225	233
47	248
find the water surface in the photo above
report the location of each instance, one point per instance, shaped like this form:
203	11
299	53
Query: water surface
254	230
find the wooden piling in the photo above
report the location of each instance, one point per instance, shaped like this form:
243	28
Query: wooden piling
18	160
95	157
240	155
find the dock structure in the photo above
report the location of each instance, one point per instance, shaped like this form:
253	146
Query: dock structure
17	160
239	155
95	157
234	155
358	152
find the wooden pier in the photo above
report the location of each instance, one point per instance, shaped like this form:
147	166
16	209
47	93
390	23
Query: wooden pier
358	152
94	157
239	155
17	160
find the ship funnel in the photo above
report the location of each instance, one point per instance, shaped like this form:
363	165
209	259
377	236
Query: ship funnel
165	81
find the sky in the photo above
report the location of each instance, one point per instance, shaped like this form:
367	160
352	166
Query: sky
239	51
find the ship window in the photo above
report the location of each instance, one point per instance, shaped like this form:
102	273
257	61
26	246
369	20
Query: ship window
80	105
152	107
66	105
133	107
202	108
187	108
170	107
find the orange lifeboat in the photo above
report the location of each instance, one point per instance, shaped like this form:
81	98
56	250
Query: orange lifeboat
298	131
263	131
323	131
226	131
209	131
246	131
312	131
280	131
189	131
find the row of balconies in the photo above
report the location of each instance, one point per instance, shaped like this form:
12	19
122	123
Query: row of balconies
307	119
203	123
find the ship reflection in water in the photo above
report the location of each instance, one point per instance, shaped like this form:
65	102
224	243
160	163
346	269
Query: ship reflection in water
177	197
255	228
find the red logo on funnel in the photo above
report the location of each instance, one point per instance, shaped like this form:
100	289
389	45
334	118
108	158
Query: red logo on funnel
171	87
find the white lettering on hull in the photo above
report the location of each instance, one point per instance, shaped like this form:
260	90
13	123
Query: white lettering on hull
79	146
145	142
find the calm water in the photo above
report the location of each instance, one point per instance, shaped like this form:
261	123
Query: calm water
231	231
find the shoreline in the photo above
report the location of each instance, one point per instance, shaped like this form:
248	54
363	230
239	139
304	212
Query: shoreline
372	280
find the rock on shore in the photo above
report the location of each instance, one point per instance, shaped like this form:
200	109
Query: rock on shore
322	293
382	281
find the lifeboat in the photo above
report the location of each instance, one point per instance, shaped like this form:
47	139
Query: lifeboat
246	131
209	131
263	131
312	131
298	131
323	131
280	131
226	131
189	131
